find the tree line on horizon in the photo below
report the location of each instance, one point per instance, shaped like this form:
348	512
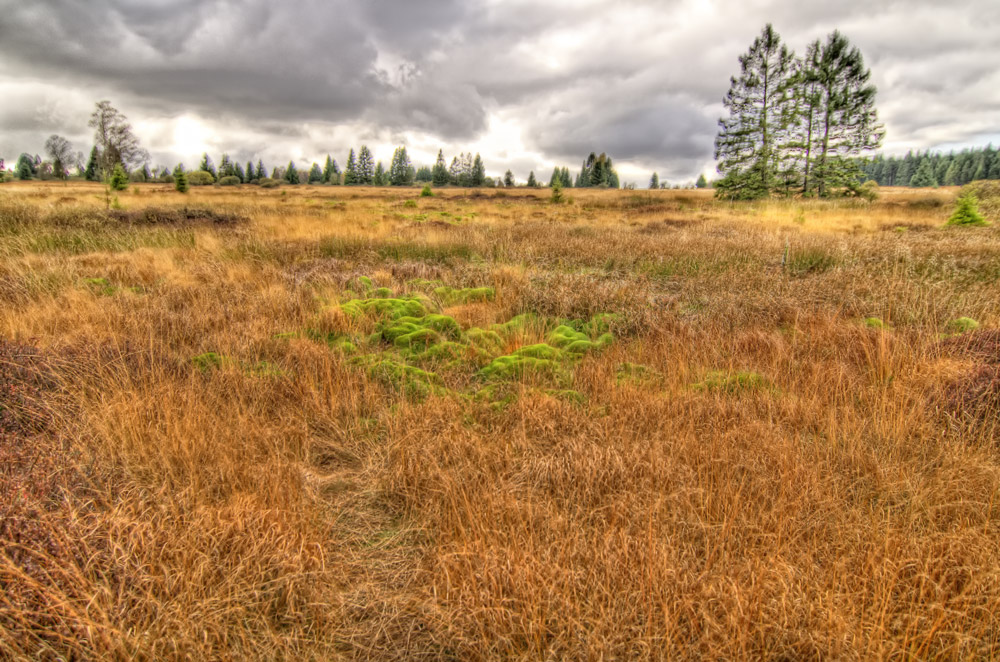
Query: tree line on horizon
928	169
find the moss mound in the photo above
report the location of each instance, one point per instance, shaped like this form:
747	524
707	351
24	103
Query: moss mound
450	296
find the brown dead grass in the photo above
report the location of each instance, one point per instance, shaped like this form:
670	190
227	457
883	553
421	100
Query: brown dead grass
850	511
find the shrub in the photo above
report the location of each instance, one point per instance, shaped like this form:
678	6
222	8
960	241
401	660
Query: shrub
269	183
181	182
426	191
869	191
967	211
557	194
200	178
230	180
119	179
987	192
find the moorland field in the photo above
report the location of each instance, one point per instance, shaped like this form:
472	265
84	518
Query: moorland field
318	423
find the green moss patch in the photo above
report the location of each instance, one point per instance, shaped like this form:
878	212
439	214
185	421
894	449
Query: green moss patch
449	296
962	325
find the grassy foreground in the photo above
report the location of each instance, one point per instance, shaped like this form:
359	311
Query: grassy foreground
332	423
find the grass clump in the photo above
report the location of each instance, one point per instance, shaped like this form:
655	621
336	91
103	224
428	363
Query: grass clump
209	361
811	261
962	325
426	191
734	383
875	323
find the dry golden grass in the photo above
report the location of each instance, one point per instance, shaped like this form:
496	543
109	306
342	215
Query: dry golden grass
309	511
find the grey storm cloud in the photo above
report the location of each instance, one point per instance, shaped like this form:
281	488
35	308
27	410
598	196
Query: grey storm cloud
639	79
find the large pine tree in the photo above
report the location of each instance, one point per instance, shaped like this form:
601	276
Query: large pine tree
759	102
848	122
478	177
401	171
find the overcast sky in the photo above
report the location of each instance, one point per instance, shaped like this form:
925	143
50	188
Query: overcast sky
528	84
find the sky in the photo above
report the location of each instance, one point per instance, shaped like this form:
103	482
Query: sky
529	85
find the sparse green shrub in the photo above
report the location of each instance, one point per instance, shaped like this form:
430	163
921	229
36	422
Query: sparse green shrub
962	325
875	323
410	204
230	180
557	193
119	179
269	183
869	191
181	182
426	191
200	178
967	212
987	192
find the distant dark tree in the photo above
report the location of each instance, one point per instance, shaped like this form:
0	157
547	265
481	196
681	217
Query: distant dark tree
366	166
93	171
924	176
508	179
250	174
146	174
423	174
331	173
381	177
208	166
532	182
238	173
439	173
24	168
351	171
401	171
225	167
702	182
556	176
115	141
478	172
315	174
261	170
455	172
60	152
291	174
565	179
654	181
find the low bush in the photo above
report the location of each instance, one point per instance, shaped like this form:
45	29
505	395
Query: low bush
200	178
230	180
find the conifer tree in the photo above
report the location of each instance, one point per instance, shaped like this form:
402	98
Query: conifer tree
508	179
759	102
556	176
207	165
261	170
532	182
330	171
225	167
92	173
365	167
291	174
400	169
381	177
351	170
119	178
654	181
180	180
249	174
23	170
478	172
566	180
439	174
848	121
702	182
315	174
924	176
